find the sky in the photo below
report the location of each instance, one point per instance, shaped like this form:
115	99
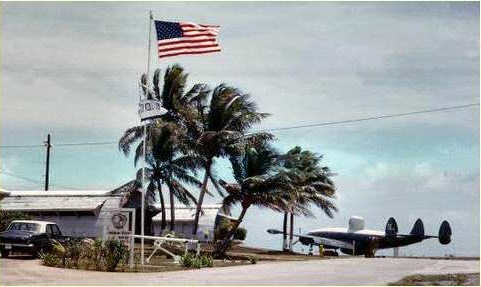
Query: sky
71	69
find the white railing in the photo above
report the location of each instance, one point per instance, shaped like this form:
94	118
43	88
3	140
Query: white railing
159	241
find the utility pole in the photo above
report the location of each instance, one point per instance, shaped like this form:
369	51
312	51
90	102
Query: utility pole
47	167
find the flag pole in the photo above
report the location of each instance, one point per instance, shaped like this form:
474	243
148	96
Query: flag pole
144	185
151	17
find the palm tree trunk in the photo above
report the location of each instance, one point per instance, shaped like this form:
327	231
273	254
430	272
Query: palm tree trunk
222	247
201	198
162	205
172	209
284	233
291	233
171	193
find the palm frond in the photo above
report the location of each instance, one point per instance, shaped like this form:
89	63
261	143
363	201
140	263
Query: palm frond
215	183
129	137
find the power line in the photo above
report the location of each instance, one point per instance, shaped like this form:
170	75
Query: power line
63	144
22	146
21	177
87	143
372	118
33	180
281	128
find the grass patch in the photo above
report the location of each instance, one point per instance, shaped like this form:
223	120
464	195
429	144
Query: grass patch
439	280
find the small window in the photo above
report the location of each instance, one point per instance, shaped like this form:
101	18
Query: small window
24	226
49	229
55	230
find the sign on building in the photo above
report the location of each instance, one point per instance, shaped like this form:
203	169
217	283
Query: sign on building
120	225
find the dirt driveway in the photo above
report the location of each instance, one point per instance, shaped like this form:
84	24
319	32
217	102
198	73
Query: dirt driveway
342	271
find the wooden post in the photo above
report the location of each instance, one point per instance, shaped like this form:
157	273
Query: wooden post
47	163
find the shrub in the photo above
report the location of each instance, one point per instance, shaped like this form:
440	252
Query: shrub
59	251
58	248
50	259
86	253
240	233
206	261
195	261
253	259
73	251
187	260
115	252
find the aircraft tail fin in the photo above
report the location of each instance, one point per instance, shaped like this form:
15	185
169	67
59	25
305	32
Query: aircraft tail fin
418	228
444	233
391	227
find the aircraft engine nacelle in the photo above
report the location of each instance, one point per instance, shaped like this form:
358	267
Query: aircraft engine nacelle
356	223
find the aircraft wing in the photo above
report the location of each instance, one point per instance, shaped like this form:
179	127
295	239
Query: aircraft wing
317	240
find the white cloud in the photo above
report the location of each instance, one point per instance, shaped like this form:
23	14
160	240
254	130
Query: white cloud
73	68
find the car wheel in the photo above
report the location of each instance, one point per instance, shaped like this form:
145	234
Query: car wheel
5	253
35	253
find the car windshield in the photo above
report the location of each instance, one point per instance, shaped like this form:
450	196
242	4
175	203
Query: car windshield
25	226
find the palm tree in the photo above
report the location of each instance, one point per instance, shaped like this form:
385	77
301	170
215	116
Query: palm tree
166	157
258	182
168	165
212	129
310	184
174	165
220	130
178	108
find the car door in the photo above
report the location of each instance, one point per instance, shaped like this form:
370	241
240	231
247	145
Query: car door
56	234
48	231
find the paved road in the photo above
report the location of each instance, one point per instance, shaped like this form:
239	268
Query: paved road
348	271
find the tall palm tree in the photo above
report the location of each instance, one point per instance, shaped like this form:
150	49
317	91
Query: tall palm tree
220	131
310	183
178	114
214	122
168	165
258	182
174	165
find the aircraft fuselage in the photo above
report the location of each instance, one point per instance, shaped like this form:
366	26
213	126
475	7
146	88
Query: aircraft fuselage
362	240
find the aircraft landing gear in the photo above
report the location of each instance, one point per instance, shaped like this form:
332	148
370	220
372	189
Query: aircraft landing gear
310	250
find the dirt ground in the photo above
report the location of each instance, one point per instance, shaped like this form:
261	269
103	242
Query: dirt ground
470	279
237	255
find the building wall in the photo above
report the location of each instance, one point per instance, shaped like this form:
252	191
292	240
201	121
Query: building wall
204	232
83	225
180	227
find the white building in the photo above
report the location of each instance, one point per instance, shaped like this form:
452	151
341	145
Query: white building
184	220
77	213
83	212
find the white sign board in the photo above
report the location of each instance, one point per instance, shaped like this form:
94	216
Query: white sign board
149	109
120	225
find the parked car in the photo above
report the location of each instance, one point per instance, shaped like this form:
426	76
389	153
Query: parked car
29	236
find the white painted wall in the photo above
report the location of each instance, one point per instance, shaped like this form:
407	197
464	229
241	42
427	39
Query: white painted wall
84	225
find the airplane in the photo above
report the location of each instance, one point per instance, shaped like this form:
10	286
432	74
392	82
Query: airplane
355	240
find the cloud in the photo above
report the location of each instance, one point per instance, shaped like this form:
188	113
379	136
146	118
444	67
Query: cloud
326	70
72	68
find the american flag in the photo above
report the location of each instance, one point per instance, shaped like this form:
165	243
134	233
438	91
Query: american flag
186	38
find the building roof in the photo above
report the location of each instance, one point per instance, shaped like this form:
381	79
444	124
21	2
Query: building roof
34	221
187	213
56	193
53	203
